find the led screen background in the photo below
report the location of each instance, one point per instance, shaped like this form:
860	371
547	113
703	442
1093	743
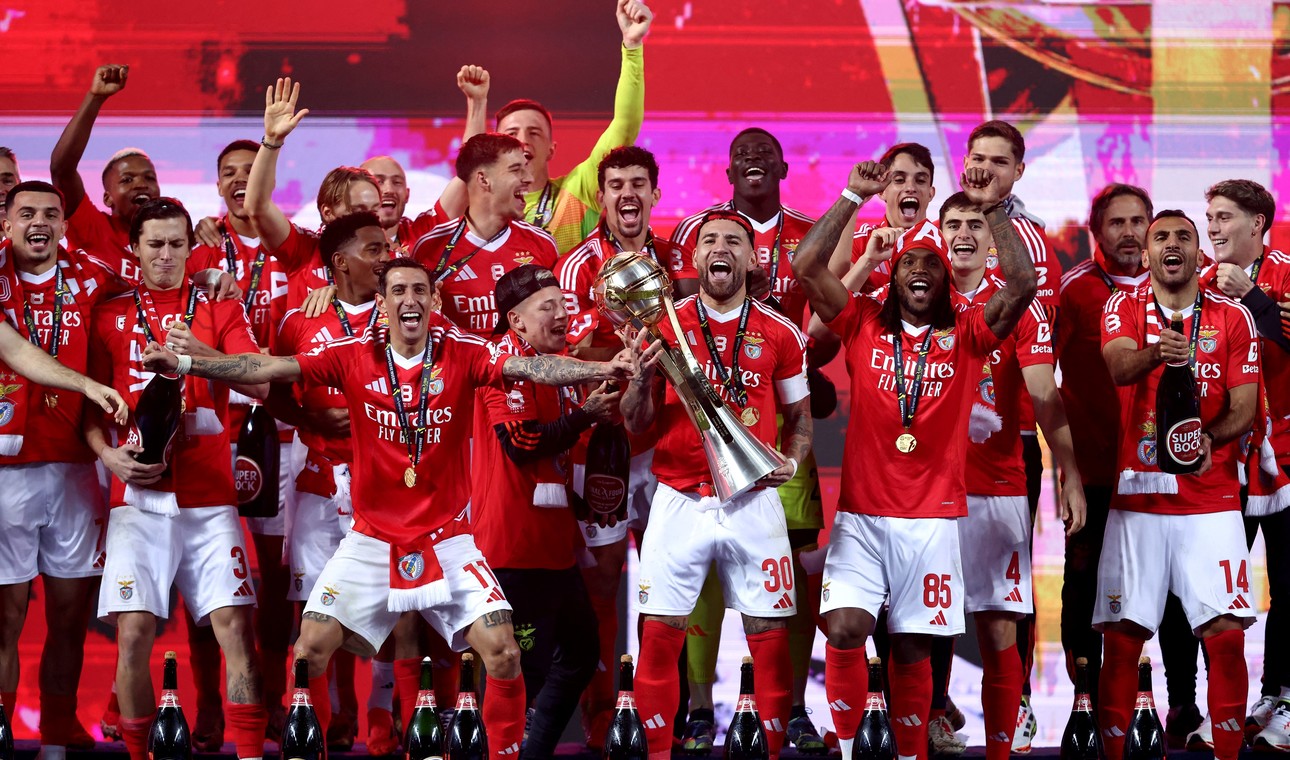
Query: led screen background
1171	95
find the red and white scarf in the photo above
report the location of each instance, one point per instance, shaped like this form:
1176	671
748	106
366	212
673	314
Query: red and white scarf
1144	481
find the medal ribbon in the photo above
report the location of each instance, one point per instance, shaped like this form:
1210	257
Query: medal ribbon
344	317
56	332
730	380
649	242
1195	325
414	449
442	270
257	269
545	210
771	300
907	399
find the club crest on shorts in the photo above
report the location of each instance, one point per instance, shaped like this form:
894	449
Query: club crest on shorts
328	596
591	531
1147	443
643	596
824	590
752	346
1208	341
125	587
436	382
944	338
1113	603
524	636
412	566
299	581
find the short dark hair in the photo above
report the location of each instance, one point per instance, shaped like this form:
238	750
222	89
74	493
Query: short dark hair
921	155
722	214
401	263
483	150
1102	201
999	128
8	153
1252	197
1174	213
759	131
522	104
250	145
31	186
342	230
161	208
958	202
628	155
123	154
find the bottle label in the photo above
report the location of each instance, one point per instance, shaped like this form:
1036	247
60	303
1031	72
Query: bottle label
604	492
1145	701
425	699
248	478
1182	441
169	699
626	701
466	701
301	698
746	704
875	701
1083	703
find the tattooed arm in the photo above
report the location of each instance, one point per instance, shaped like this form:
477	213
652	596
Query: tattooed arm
1004	309
826	292
234	368
564	370
796	442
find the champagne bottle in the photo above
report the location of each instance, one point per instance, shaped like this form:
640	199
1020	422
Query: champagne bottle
746	739
169	739
874	740
1145	739
157	417
609	463
1081	739
302	737
466	739
424	740
626	739
1178	429
256	471
6	736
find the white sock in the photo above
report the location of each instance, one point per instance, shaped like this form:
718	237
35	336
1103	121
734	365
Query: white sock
382	695
52	752
845	745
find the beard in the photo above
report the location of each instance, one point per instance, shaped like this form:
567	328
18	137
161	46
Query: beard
722	291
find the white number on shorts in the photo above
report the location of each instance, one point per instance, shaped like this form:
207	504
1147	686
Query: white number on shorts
936	590
780	572
239	554
1014	570
1242	582
479	568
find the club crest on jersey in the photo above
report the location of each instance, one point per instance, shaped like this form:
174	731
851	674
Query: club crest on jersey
992	260
1147	443
523	257
411	566
1113	603
436	382
752	346
125	587
944	338
1208	340
643	596
524	636
986	385
328	596
299	581
6	411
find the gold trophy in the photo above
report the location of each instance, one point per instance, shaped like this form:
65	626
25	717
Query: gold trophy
633	289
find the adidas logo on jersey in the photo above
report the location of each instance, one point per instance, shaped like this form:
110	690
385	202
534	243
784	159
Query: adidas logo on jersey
514	749
772	725
1015	596
244	590
839	705
323	336
466	273
785	603
1239	603
913	721
379	386
656	721
939	619
1230	724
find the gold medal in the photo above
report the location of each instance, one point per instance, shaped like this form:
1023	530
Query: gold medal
905	443
51	400
749	417
409	477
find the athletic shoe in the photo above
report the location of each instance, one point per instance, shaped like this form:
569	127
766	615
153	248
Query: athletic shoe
110	723
957	719
698	737
1275	736
941	741
803	736
1179	723
1202	739
79	739
381	739
1258	717
1027	728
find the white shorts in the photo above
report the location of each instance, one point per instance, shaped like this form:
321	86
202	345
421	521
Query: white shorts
201	552
640	493
53	521
354	588
747	539
911	563
1202	559
287	468
995	543
316	531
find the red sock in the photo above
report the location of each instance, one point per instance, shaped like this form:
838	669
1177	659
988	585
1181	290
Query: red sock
319	694
773	679
407	682
10	701
246	725
599	696
1000	698
911	705
1117	688
134	731
846	685
505	710
57	719
1228	684
658	684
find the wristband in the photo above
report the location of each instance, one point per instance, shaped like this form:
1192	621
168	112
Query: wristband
1211	436
265	142
856	199
793	462
185	364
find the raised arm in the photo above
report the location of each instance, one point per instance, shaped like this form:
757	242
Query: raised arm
473	82
879	248
63	162
42	369
827	294
280	118
640	404
231	368
1006	306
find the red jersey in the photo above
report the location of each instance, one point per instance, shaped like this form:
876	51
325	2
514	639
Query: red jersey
508	526
266	302
470	273
771	369
1090	397
384	507
1227	357
300	334
995	466
200	472
105	237
782	234
53	425
411	230
877	479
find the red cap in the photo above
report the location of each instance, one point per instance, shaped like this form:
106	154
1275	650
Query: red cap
925	236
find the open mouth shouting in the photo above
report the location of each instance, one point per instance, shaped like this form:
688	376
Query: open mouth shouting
963	251
38	240
919	286
141	198
720	271
754	175
908	210
1173	262
411	319
629	212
